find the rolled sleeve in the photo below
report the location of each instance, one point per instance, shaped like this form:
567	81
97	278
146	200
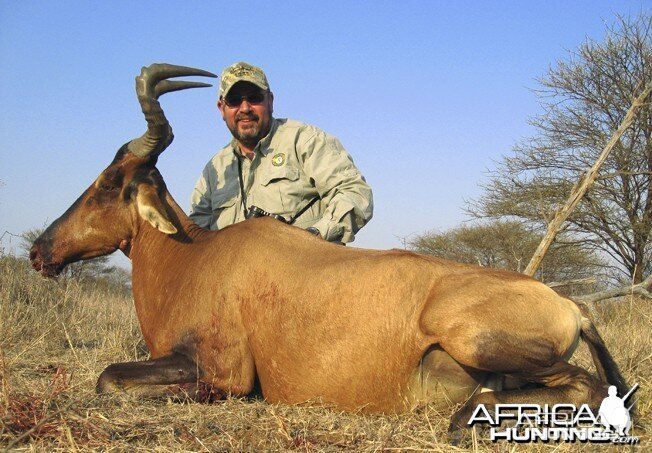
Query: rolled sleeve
341	186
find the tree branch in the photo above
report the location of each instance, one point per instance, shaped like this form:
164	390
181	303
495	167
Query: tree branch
641	289
584	183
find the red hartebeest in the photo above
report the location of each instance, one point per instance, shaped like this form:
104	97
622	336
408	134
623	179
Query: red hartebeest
313	321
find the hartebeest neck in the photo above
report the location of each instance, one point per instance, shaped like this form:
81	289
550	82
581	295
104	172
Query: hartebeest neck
149	241
159	263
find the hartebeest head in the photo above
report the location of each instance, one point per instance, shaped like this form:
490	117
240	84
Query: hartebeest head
105	216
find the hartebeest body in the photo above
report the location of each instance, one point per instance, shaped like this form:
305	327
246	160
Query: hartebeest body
312	321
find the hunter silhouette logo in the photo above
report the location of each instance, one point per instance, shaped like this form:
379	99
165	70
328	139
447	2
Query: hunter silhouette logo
613	413
559	422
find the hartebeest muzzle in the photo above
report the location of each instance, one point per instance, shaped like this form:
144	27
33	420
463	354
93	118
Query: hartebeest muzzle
41	257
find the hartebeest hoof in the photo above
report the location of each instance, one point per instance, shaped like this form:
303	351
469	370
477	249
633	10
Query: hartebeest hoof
455	437
458	432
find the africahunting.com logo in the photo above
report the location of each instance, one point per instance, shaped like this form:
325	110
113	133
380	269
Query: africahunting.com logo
560	422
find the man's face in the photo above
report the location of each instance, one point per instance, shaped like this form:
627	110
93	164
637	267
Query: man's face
247	111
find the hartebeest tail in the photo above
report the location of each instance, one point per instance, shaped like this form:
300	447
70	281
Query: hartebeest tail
606	366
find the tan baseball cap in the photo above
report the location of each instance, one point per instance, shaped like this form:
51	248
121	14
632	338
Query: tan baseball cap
242	72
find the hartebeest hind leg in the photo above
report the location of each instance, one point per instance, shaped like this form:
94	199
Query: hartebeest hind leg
562	383
173	375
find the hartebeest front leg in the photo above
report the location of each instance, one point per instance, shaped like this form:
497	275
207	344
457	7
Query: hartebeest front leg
173	375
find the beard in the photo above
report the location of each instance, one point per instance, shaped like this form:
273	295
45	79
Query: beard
249	133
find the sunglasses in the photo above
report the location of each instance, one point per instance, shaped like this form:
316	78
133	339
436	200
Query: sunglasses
234	100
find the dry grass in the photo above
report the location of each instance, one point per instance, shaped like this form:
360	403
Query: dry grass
56	338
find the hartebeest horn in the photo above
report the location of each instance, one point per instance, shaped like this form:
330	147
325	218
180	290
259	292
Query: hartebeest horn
150	84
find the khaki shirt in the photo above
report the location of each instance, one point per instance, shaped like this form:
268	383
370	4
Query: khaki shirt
292	164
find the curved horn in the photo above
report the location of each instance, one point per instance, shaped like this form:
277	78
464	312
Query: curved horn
150	84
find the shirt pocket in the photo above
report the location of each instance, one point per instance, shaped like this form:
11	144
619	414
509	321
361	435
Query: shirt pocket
276	174
281	190
224	210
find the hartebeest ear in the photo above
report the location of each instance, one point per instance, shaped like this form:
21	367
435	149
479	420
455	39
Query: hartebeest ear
151	209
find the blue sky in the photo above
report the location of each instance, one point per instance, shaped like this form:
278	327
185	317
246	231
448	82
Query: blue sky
426	96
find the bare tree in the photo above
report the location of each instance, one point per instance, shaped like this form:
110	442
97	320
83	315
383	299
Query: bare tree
584	99
508	245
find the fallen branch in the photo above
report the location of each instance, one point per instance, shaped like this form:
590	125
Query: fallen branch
642	289
579	281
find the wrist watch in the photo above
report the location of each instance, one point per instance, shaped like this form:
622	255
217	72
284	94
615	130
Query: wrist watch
313	230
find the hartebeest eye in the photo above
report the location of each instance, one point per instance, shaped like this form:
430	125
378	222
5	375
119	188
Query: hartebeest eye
108	186
110	180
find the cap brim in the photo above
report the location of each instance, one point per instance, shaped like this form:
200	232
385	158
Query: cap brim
245	79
